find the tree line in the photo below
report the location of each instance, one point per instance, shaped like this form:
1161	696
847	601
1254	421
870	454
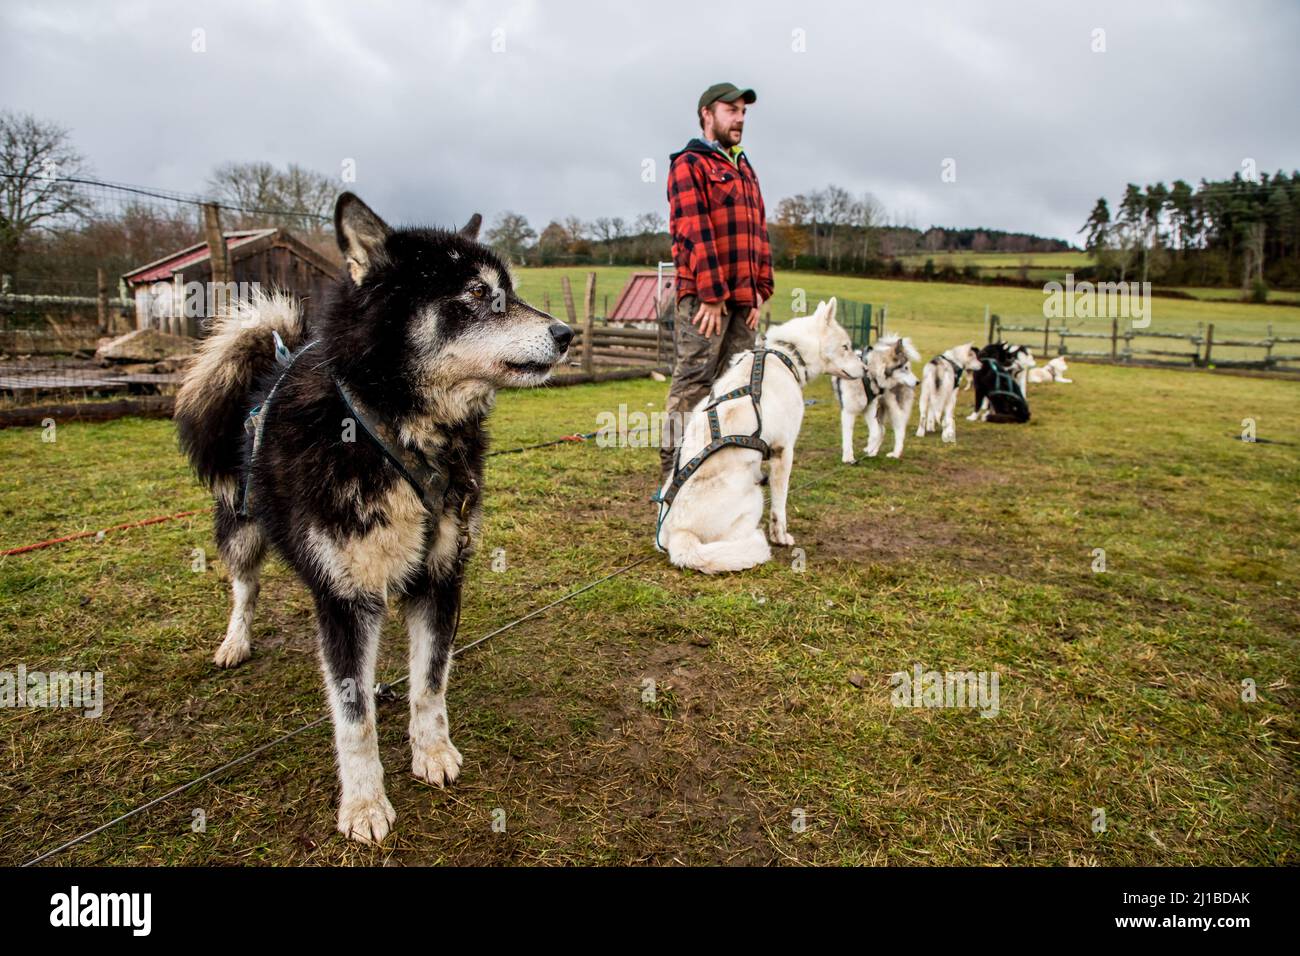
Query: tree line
1241	231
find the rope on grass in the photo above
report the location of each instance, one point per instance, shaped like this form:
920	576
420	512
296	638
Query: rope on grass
284	738
563	440
86	534
318	721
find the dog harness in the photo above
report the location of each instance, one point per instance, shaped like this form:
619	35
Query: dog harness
1004	384
867	385
427	481
718	441
956	369
256	418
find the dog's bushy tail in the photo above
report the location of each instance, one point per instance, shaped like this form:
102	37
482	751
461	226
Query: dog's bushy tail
216	394
686	550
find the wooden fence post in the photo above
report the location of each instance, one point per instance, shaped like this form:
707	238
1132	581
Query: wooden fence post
546	302
988	325
1209	342
101	295
217	256
588	346
1114	339
1047	327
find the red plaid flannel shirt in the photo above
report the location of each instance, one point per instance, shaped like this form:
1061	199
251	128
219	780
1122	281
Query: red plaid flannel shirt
719	228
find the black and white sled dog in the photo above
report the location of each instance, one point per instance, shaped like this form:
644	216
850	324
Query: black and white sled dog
1053	371
713	523
939	384
887	388
363	465
1003	365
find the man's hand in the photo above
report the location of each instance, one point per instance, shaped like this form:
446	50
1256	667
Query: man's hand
709	319
751	322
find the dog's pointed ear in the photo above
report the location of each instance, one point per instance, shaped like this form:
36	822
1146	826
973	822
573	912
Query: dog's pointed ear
471	228
360	234
831	306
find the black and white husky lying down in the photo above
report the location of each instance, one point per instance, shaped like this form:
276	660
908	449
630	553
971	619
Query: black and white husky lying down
714	523
995	398
939	384
368	470
887	388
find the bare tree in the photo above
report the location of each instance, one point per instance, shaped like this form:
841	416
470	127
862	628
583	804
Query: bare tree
36	157
296	198
511	235
868	214
818	205
839	212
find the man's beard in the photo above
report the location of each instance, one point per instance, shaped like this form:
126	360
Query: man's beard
730	137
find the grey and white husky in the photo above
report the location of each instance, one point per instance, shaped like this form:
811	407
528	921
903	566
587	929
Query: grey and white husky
887	388
714	523
939	384
364	464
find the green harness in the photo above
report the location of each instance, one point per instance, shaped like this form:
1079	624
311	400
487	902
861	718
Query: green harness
1005	385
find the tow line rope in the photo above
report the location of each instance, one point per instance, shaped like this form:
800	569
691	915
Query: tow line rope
563	440
283	738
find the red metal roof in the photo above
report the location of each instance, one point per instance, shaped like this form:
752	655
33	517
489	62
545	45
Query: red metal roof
636	303
162	269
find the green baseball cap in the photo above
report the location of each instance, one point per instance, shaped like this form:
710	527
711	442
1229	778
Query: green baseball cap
727	92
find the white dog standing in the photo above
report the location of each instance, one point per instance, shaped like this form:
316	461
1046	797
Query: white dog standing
939	384
713	522
888	387
1053	371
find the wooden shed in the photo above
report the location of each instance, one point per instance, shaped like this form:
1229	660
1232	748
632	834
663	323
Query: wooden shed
172	294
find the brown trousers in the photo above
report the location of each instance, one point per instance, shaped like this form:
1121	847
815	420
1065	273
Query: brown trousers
697	361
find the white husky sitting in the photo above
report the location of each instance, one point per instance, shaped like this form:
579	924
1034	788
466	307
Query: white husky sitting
888	387
713	523
939	388
1053	371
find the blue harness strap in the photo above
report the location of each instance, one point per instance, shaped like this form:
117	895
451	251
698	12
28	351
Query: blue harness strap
718	441
867	385
1005	385
256	419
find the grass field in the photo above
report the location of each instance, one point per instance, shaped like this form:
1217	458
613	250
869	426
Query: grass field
1119	691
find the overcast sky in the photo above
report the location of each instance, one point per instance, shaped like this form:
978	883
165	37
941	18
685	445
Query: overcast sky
560	121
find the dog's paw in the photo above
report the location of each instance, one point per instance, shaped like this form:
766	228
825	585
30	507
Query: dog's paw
781	537
232	653
438	764
949	438
894	454
972	416
366	821
869	453
848	460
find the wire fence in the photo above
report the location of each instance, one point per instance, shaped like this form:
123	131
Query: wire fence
115	227
63	293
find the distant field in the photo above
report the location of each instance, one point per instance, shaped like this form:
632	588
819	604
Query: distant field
1282	296
938	314
999	261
